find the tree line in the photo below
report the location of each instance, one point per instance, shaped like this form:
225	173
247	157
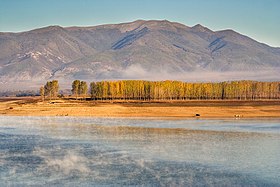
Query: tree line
178	90
19	93
172	90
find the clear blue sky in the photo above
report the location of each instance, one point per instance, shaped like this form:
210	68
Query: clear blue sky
259	19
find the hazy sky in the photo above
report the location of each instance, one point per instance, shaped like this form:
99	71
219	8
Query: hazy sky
259	19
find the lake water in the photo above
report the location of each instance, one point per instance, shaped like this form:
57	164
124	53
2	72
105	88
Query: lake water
68	151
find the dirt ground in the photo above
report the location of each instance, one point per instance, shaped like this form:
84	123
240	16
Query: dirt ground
33	106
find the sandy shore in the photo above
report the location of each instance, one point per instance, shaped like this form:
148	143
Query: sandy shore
186	109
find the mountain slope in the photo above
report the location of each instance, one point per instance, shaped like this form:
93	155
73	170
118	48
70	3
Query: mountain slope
36	53
140	49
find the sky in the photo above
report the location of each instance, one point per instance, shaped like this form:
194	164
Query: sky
258	19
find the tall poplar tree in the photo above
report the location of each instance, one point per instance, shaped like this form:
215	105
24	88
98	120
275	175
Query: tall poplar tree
76	87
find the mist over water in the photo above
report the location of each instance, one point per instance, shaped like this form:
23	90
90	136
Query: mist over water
151	152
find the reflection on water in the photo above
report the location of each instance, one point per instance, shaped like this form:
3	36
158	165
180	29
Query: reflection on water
118	151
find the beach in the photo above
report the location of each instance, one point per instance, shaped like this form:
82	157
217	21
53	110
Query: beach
34	106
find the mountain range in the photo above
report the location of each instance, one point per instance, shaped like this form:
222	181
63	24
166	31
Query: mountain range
152	50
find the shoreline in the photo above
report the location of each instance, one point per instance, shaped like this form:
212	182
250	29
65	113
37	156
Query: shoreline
151	117
207	109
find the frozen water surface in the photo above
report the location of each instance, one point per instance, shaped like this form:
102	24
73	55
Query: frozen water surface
70	151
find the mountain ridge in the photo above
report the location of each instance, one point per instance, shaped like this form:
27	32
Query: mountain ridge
153	49
140	20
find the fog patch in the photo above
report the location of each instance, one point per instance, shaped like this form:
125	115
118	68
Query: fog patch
138	72
135	71
70	162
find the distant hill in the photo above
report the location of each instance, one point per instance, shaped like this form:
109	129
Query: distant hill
154	50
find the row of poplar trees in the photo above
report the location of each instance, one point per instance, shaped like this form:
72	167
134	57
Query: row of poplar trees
168	90
177	90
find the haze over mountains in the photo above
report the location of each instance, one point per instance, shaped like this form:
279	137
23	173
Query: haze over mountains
152	50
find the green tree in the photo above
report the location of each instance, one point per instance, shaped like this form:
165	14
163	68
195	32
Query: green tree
48	88
93	90
55	88
76	88
51	89
42	92
83	88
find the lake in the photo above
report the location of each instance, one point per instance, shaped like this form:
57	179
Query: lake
70	151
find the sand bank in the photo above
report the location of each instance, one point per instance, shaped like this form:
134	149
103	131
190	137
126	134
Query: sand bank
182	109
